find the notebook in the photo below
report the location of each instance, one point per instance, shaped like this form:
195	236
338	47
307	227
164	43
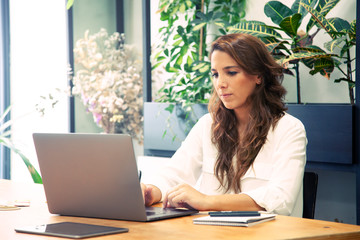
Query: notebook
94	175
234	221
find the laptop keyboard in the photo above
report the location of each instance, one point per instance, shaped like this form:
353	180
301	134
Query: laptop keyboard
156	211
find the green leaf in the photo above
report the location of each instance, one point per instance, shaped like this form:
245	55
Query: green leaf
304	55
164	133
309	62
197	78
177	36
182	8
310	48
324	66
156	65
339	24
205	68
323	8
331	45
291	24
222	31
199	26
198	66
178	62
323	22
344	50
168	68
175	10
189	60
352	31
203	17
173	55
217	15
160	58
220	24
257	29
275	45
34	174
69	4
344	79
184	49
180	31
170	108
277	11
6	124
297	8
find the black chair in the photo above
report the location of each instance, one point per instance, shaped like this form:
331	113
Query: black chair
310	189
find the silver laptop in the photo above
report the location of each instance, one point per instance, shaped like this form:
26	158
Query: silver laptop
94	175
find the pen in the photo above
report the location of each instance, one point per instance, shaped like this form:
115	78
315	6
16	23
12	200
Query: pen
234	214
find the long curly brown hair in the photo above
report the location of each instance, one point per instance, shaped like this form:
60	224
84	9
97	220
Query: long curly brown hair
267	107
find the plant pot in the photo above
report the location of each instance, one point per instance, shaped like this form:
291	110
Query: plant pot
329	129
164	132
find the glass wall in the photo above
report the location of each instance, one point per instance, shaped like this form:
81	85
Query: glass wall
92	16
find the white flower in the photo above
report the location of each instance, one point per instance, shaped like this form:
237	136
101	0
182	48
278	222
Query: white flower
108	79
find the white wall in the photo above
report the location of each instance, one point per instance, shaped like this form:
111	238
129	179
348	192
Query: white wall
38	65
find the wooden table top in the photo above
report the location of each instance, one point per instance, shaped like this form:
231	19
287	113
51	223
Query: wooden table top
283	227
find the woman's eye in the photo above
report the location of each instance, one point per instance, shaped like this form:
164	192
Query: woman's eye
232	73
214	75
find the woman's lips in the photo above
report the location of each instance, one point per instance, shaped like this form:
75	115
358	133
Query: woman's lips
225	95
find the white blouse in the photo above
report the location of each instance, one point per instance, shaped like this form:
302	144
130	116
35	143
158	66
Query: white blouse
274	181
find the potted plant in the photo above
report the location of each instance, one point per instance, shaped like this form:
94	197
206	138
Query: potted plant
182	53
292	46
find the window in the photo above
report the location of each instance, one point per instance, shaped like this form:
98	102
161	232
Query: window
38	48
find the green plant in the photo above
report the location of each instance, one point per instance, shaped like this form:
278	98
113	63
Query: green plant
343	35
182	49
6	141
289	45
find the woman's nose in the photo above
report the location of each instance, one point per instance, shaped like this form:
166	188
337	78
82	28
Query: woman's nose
221	82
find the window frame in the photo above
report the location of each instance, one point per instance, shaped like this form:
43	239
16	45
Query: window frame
5	81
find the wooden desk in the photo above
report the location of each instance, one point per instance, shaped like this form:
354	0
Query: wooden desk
179	228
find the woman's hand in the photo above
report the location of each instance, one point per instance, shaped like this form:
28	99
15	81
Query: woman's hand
151	194
185	196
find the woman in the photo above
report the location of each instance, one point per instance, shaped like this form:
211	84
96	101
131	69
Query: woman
247	153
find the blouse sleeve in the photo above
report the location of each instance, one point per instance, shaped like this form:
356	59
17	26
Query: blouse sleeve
186	164
276	177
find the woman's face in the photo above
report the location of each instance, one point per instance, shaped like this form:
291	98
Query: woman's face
232	84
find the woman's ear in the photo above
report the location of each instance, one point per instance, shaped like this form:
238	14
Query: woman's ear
258	80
